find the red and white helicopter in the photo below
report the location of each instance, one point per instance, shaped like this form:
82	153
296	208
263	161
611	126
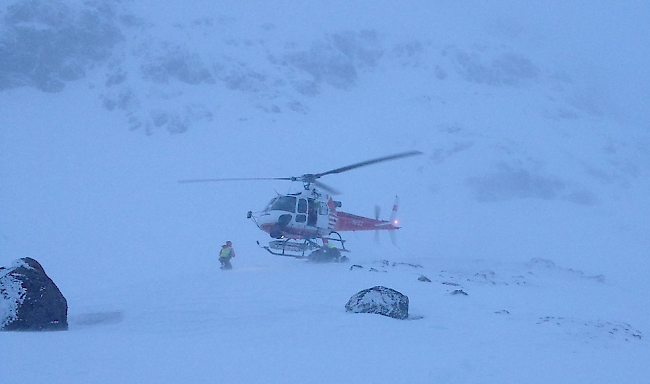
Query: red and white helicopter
298	220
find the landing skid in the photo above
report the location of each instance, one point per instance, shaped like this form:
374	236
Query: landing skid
297	248
290	248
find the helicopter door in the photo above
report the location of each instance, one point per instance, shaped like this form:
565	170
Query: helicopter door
312	212
301	217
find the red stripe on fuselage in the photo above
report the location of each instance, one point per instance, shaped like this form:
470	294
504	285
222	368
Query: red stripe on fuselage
350	222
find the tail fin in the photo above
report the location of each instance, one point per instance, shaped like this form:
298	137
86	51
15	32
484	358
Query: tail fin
393	215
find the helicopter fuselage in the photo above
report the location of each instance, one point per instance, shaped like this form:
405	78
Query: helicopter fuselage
310	214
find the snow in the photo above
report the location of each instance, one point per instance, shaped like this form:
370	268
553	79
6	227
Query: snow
12	292
531	196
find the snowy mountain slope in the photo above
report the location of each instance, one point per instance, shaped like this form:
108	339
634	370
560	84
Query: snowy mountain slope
534	127
150	71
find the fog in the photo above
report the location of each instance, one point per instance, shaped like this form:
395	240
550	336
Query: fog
533	120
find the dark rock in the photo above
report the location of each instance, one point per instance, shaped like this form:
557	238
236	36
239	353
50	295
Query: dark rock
459	292
424	279
395	264
486	274
47	43
353	266
380	300
598	278
29	299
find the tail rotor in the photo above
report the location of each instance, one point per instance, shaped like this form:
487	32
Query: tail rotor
393	221
377	211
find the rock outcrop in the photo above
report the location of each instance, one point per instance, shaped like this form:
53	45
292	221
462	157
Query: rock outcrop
380	300
29	299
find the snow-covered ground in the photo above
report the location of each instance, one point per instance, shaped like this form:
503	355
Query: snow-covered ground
531	198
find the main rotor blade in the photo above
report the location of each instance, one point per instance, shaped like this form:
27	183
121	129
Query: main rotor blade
368	162
233	179
326	187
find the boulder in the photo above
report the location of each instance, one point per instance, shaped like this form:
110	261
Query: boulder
29	299
380	300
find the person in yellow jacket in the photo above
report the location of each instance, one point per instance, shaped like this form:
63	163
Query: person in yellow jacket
227	252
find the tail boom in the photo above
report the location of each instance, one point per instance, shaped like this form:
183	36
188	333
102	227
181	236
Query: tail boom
349	222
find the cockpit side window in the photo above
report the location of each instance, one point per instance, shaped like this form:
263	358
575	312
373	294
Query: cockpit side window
302	205
284	203
323	208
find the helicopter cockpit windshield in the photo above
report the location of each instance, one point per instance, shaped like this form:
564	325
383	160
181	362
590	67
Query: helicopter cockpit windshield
282	203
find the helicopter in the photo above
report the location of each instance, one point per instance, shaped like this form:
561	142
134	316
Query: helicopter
298	221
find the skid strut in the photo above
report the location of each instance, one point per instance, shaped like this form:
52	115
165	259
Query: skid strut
297	248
